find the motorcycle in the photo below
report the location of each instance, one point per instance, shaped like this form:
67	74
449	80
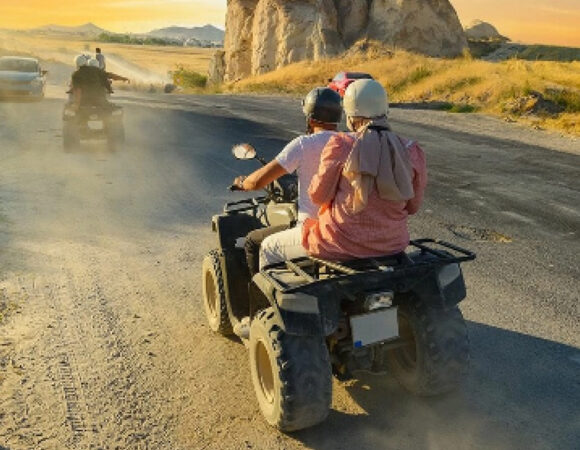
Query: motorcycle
311	319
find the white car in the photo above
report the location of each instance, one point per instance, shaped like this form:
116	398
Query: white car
21	77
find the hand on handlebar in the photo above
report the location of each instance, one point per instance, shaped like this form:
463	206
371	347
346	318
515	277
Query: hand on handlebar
238	184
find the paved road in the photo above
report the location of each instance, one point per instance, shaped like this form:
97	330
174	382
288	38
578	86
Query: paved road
105	343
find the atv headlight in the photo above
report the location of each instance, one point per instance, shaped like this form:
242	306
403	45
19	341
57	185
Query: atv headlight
379	300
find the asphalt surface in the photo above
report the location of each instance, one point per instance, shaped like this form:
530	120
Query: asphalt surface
128	231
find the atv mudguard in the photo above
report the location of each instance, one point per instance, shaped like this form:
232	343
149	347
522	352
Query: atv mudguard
230	228
299	313
443	287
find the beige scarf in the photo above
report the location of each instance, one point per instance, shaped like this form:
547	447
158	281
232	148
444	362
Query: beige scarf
379	158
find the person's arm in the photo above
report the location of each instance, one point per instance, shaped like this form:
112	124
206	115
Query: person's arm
115	77
324	184
419	179
286	162
261	177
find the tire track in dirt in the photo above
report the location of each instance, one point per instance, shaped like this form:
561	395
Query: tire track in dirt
66	344
109	402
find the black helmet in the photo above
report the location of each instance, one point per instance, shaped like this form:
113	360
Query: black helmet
323	105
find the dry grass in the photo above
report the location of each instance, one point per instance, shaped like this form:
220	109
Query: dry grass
465	84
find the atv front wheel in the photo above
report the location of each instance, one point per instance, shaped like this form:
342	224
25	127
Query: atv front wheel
214	294
435	358
291	374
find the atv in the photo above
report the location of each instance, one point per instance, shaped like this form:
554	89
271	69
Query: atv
93	122
312	319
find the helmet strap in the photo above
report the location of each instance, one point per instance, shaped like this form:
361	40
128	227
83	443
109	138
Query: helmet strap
309	129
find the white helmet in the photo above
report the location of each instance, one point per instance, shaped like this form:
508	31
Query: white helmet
81	60
366	98
93	63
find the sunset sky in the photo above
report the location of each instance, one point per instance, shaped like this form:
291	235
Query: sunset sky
531	21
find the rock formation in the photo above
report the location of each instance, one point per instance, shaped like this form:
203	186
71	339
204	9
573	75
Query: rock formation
430	27
483	31
217	68
263	35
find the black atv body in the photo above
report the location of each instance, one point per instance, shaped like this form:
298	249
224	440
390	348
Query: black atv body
312	318
93	122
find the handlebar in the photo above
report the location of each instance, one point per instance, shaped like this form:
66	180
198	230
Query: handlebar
234	188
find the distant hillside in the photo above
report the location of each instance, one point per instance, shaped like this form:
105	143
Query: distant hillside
207	33
534	53
86	30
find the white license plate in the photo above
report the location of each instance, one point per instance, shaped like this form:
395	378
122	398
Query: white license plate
375	327
95	125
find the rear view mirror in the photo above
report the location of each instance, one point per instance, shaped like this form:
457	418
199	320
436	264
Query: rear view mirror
244	151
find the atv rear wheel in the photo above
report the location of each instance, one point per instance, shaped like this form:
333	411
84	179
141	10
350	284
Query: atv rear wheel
214	294
291	374
436	357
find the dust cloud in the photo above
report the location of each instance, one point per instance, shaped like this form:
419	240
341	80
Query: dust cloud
137	74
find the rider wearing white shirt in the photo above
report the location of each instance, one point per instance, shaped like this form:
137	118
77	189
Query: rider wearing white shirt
323	111
302	156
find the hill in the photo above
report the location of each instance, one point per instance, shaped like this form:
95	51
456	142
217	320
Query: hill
534	53
207	33
86	30
484	31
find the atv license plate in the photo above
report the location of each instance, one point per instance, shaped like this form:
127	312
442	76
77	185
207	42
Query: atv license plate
95	125
375	327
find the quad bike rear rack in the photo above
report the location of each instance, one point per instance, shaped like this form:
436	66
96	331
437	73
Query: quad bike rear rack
314	273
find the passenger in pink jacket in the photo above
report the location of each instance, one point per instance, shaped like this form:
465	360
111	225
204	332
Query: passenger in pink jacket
367	185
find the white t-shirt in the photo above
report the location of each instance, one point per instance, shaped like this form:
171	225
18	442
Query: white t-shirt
101	58
303	156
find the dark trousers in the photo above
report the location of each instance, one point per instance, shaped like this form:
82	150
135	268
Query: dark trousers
253	242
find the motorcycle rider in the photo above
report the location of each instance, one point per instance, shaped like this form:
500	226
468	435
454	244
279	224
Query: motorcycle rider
323	111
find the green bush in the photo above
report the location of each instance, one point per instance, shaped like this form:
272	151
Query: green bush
132	40
189	79
569	100
459	108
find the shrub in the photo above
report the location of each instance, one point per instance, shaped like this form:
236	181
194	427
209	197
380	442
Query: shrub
188	79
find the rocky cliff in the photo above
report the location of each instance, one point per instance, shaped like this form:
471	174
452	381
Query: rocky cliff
263	35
